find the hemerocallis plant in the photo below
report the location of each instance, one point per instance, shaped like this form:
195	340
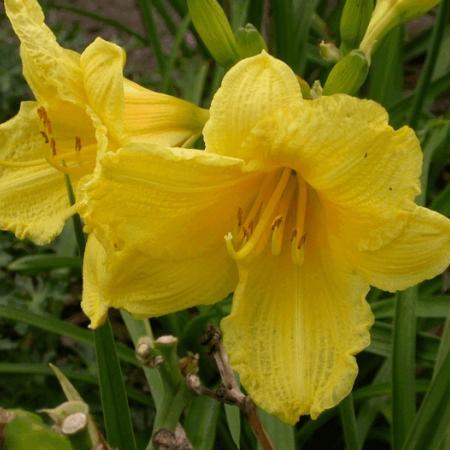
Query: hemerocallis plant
84	106
297	206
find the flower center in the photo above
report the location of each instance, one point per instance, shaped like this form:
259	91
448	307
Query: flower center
277	215
71	158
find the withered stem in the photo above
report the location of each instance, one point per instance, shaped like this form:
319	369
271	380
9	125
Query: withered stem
229	392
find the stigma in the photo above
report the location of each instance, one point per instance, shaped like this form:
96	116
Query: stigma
275	220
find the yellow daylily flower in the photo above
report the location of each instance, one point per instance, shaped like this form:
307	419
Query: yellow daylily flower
315	199
83	106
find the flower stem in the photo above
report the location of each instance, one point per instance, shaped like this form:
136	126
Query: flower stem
348	419
430	62
119	430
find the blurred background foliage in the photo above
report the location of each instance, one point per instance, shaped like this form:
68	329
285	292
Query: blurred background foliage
40	318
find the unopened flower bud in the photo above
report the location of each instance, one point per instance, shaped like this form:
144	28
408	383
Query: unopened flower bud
249	41
213	27
354	20
389	13
348	75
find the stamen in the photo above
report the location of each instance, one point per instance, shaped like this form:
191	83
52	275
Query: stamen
44	134
53	146
279	224
239	217
298	251
264	221
263	193
77	144
48	125
298	234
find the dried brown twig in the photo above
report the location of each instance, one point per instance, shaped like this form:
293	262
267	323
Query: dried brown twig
229	391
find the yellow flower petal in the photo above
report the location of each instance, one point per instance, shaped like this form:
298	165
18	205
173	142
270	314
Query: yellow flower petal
345	149
33	195
168	202
148	287
50	70
420	252
251	90
102	65
294	328
161	119
161	215
93	275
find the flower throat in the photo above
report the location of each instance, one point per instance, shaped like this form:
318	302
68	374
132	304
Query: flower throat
277	215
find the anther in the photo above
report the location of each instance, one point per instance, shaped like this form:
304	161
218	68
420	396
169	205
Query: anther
53	146
276	222
48	125
302	241
239	217
44	134
42	113
293	234
77	144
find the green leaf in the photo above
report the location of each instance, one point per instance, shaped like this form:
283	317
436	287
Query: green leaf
348	420
200	423
429	307
62	328
386	70
152	34
431	422
76	375
281	434
404	365
40	263
27	431
233	417
441	202
381	344
116	413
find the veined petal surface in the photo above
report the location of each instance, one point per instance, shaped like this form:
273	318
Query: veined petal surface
149	287
161	215
294	328
33	195
344	148
251	90
102	65
51	71
160	118
420	252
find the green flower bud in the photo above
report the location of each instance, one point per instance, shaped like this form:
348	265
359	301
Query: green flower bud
249	41
215	30
348	75
388	14
354	21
